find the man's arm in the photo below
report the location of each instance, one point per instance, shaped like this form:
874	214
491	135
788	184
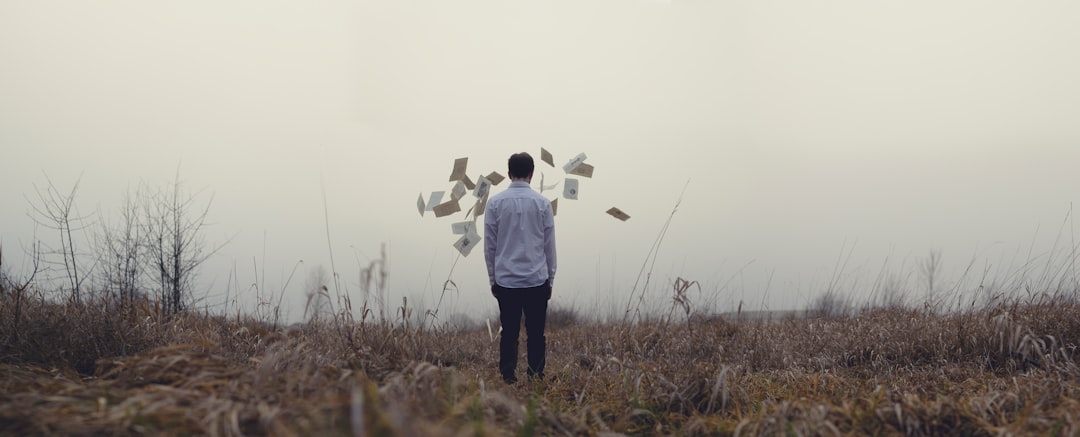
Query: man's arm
549	244
491	234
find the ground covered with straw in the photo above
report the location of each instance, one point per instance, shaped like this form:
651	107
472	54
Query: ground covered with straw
1006	369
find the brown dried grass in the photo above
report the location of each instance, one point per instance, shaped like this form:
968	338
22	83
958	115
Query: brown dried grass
1006	369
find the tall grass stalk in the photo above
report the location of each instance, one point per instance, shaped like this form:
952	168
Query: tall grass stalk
650	262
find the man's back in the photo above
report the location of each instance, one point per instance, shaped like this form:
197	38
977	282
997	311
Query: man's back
519	243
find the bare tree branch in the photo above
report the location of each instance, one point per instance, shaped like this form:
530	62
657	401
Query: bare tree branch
56	210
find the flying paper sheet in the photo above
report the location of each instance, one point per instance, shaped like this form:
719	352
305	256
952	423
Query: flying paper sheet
481	205
483	185
618	213
570	166
459	169
468	183
461	228
570	189
543	187
445	209
466	243
554	206
546	157
584	169
458	191
420	204
495	178
436	197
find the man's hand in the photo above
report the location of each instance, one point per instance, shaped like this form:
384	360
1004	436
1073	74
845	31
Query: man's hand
549	287
493	292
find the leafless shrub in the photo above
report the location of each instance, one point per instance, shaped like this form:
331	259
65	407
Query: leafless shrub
172	227
120	246
830	304
56	210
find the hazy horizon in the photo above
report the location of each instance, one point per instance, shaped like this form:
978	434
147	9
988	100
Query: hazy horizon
804	135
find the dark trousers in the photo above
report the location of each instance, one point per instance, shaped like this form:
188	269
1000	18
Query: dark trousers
513	303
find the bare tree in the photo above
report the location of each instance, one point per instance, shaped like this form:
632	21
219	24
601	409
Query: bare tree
56	210
930	268
119	245
172	230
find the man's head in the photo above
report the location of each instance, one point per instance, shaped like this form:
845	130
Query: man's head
520	166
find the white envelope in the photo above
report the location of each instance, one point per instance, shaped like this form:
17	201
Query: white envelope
570	189
570	166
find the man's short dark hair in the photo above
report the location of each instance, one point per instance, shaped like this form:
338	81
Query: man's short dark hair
520	165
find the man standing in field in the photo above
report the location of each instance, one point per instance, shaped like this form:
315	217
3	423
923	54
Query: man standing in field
519	247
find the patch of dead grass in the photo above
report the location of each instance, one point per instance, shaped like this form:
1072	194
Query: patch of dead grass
1007	369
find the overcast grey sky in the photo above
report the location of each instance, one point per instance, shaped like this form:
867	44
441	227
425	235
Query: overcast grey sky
805	129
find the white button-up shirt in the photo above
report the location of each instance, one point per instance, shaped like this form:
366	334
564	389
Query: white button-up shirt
519	237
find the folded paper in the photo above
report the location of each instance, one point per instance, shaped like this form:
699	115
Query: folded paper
546	157
447	208
583	169
555	206
618	213
495	178
460	165
420	204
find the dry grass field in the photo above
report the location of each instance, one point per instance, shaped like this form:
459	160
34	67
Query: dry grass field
1006	369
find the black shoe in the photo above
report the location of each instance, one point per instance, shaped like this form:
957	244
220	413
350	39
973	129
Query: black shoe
510	380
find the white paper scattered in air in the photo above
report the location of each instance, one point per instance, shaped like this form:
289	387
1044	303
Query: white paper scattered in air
570	189
570	166
483	185
461	228
546	157
460	166
434	200
467	242
583	169
544	187
481	205
446	208
618	213
458	191
445	203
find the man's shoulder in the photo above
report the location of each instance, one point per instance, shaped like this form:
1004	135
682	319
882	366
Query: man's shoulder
517	194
